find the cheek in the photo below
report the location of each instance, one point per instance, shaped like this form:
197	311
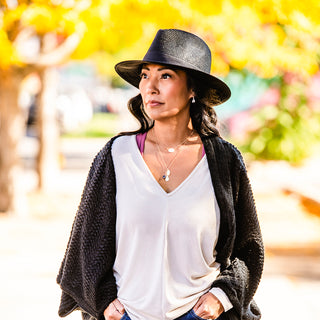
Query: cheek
142	93
141	89
182	95
174	92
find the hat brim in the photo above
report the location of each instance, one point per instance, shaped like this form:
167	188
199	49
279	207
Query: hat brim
129	70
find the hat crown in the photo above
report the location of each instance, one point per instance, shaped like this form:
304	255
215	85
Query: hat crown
172	46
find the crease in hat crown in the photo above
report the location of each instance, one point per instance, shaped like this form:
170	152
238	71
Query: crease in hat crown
180	49
181	46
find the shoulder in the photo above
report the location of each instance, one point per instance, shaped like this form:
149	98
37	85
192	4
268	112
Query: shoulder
223	150
122	145
104	158
114	148
115	142
122	141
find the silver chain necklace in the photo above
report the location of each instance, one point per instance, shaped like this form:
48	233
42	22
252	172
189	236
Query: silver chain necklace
173	149
167	172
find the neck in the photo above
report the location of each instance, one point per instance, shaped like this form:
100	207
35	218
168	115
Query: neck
172	134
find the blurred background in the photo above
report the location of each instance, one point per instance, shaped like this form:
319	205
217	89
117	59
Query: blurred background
60	101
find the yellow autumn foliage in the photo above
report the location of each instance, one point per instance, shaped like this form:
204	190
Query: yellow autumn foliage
267	37
8	54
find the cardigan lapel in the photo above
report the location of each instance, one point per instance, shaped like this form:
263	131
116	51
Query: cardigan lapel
219	166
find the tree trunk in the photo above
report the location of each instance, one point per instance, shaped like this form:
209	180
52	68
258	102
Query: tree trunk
11	131
48	131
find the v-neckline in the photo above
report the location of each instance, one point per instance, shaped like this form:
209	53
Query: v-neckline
148	171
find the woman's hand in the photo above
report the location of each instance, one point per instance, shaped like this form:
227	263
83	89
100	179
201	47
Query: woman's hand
208	307
114	311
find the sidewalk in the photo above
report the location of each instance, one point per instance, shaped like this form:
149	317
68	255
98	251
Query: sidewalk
290	286
32	247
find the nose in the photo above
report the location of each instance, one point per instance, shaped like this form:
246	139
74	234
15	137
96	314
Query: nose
152	86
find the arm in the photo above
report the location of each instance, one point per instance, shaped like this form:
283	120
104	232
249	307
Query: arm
240	278
86	275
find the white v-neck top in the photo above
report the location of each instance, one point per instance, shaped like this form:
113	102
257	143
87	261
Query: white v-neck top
165	242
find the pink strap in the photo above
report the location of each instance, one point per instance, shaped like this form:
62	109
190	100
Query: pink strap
141	138
203	151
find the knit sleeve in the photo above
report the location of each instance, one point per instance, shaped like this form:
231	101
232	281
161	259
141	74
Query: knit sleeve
86	275
240	279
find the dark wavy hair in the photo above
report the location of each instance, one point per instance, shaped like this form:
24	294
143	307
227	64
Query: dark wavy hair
202	113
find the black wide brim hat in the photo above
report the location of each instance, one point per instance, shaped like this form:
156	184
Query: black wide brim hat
180	50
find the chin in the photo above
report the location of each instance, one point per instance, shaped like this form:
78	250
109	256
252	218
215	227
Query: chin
157	116
160	118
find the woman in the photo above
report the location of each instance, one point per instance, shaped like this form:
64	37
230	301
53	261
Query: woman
167	226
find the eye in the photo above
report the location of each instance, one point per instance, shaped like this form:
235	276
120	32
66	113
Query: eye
166	76
143	75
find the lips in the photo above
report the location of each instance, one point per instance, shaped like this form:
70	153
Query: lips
154	103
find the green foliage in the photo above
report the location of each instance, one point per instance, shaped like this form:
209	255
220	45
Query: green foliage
288	131
102	125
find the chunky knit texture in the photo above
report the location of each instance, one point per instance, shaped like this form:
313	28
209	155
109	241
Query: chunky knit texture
86	276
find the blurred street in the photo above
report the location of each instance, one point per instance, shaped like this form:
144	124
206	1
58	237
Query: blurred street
60	75
32	244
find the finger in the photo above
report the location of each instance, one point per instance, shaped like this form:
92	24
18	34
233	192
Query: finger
119	306
200	311
198	304
108	311
112	307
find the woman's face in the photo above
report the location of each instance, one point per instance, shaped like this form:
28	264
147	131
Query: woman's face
165	93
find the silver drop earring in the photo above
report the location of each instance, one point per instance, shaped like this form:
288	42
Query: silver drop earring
193	100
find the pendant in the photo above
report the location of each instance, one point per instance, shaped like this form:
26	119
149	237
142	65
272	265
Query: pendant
166	176
170	150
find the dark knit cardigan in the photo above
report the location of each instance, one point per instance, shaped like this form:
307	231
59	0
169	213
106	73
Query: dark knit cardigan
86	273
